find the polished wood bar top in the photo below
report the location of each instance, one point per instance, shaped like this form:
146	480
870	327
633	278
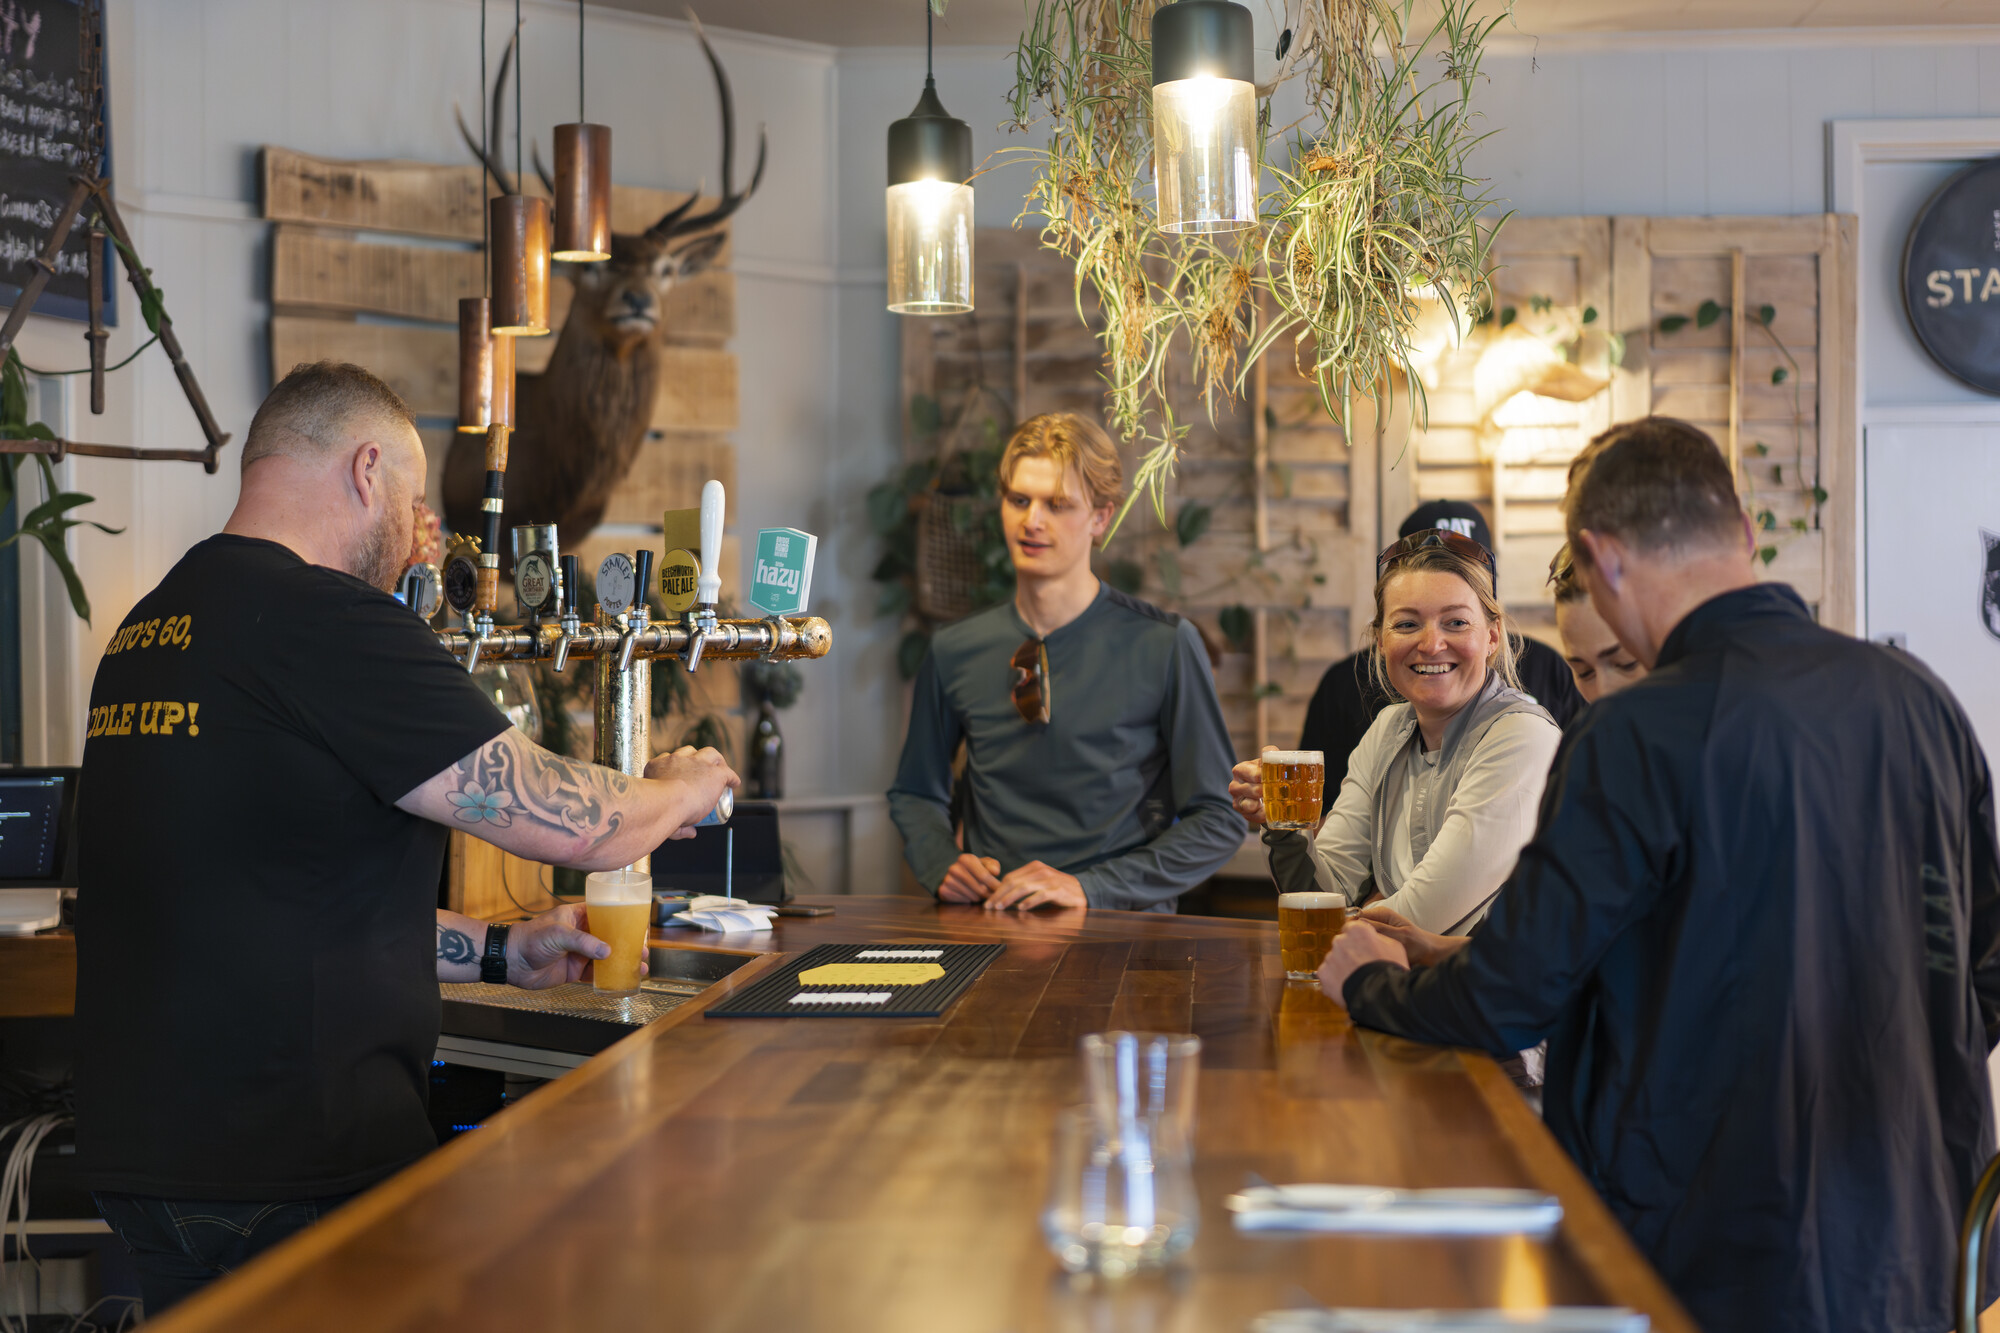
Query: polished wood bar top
877	1174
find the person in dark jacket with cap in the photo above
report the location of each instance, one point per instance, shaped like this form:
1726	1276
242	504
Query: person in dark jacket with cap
1758	923
1348	700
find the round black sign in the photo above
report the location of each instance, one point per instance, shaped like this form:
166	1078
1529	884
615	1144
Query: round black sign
1951	276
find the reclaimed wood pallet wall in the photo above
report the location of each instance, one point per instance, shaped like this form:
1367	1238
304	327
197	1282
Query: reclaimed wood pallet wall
1512	458
370	259
1298	516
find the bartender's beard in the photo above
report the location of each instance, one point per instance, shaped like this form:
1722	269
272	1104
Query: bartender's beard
383	555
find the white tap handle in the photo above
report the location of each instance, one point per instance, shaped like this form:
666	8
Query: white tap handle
708	587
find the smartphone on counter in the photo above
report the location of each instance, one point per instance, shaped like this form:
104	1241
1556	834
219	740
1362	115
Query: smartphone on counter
800	909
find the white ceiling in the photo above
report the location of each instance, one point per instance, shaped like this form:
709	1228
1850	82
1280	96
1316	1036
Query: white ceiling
999	22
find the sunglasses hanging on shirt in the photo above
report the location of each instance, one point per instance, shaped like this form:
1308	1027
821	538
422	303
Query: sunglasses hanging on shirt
1031	681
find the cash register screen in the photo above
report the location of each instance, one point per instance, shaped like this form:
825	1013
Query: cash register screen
37	809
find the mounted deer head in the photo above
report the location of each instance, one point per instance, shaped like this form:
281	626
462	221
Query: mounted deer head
580	423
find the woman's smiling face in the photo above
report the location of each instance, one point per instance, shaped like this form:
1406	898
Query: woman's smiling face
1436	641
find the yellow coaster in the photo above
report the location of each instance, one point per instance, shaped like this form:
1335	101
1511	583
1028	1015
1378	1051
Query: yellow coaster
871	974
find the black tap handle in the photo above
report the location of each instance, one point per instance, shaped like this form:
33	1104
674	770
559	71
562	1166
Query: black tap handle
569	583
642	565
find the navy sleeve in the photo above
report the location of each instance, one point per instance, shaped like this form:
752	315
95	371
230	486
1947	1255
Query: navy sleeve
1608	839
1342	709
920	799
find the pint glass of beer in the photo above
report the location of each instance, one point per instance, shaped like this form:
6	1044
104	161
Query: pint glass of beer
618	908
1307	923
1294	781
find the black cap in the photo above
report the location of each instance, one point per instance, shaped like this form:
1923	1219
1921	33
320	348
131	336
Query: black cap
929	143
1451	515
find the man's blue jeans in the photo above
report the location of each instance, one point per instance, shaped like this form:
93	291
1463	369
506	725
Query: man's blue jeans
181	1245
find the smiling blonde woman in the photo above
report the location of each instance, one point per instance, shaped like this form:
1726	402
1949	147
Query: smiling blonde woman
1441	794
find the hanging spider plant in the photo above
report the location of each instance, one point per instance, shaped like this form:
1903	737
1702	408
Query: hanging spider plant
1371	208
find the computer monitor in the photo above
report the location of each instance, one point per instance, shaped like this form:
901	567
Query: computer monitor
38	828
701	864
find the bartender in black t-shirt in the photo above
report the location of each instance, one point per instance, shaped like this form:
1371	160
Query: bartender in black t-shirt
1348	699
276	750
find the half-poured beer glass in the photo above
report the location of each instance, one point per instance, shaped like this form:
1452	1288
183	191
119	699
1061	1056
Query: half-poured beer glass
1294	782
618	908
1307	923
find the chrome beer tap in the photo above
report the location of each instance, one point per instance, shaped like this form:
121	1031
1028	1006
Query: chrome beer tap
572	624
637	619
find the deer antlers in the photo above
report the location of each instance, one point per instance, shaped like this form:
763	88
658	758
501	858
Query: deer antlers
678	220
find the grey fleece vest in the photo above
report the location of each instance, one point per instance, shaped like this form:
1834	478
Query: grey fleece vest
1291	854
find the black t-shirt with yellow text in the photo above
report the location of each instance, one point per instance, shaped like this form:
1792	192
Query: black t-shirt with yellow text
257	1003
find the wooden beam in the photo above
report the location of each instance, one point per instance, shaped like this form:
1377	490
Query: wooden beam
419	198
328	269
697	390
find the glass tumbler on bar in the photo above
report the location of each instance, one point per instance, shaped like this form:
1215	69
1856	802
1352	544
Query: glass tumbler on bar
1120	1201
1128	1074
1294	782
1307	923
618	908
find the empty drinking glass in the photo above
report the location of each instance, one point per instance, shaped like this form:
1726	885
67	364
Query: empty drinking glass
1142	1074
1119	1202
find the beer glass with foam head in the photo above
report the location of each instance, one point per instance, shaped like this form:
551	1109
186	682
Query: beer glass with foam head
1307	923
1294	781
618	909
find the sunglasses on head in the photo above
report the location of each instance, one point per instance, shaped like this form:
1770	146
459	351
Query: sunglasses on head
1429	537
1031	681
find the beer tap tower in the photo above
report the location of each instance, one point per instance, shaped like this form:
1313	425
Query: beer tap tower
624	640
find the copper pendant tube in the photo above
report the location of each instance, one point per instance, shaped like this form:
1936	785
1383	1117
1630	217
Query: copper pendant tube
583	193
503	380
475	364
520	265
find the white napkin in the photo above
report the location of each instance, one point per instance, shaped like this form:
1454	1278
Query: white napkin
1371	1209
713	912
1569	1319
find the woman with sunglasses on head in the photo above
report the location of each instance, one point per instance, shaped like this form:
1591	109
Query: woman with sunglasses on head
1096	756
1441	794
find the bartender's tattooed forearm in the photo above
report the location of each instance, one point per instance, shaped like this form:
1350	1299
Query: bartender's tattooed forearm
513	778
455	946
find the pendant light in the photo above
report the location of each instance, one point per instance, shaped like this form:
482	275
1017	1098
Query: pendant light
1204	116
583	179
930	205
520	238
475	313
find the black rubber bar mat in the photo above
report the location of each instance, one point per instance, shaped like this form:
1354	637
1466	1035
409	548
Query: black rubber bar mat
783	995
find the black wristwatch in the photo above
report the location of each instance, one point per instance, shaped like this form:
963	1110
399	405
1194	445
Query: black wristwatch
493	963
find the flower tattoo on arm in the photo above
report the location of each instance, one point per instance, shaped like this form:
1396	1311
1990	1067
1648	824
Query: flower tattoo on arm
513	778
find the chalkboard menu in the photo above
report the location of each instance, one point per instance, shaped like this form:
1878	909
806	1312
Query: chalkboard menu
1951	276
46	122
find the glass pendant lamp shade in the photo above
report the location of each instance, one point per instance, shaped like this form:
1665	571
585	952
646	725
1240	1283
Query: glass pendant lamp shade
1204	117
475	364
520	259
583	193
930	211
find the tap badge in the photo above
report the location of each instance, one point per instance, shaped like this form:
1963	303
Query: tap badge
678	572
1989	585
615	580
534	582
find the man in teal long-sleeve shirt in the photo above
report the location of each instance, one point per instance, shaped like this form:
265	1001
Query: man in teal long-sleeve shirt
1097	761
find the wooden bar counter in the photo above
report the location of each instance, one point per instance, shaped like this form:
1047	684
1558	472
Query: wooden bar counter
880	1175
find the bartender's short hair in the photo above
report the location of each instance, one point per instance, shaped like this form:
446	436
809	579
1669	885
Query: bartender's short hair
1072	441
1656	483
319	405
